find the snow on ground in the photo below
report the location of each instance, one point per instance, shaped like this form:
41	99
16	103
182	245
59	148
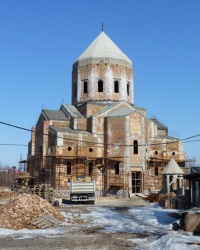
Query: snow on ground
30	233
150	219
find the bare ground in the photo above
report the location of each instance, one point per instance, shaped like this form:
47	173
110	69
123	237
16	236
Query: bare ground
84	237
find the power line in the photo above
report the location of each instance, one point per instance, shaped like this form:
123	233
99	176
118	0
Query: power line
24	145
11	125
12	144
103	144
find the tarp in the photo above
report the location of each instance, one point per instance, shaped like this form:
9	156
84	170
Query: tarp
195	170
194	174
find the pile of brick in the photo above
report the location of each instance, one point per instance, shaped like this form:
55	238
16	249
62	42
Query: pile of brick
168	195
23	208
171	201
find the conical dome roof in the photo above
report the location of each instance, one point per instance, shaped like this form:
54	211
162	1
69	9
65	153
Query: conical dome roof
103	46
172	168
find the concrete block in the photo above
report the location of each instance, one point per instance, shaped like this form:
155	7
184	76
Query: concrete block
191	223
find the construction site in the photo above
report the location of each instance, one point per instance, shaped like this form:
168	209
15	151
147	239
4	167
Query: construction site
109	174
102	134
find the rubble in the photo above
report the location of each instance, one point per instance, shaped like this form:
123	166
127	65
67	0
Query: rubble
152	197
168	195
23	208
6	194
171	201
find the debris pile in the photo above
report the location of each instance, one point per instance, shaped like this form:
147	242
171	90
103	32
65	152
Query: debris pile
165	199
23	208
6	194
168	195
171	201
152	197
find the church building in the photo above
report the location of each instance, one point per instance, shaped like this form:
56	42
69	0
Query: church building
102	134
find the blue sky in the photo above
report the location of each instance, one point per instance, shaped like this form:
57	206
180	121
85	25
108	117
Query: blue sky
40	40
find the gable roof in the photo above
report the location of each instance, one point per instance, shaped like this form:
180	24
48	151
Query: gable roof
160	126
128	109
70	110
172	168
124	111
54	115
107	108
103	46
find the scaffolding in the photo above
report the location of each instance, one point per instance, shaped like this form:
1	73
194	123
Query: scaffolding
110	178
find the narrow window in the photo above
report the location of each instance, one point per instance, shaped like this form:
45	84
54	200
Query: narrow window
90	168
41	149
135	147
69	168
85	87
116	87
100	86
116	167
156	171
127	89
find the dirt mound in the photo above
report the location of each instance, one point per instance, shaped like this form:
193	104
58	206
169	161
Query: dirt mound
23	208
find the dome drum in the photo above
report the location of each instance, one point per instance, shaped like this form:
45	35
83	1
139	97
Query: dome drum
102	72
108	60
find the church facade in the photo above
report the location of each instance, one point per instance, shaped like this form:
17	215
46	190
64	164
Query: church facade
102	134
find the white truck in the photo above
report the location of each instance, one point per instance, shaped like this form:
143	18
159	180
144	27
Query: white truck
82	189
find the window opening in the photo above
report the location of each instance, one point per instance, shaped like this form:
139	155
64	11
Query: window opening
69	148
127	89
85	87
156	171
116	87
135	147
100	86
136	182
90	149
41	149
116	167
90	168
69	168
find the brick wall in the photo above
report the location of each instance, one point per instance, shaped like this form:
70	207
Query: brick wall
106	72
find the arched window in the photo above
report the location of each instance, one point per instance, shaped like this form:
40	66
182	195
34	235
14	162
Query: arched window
135	147
116	167
100	86
85	87
69	168
75	90
116	86
90	168
128	89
